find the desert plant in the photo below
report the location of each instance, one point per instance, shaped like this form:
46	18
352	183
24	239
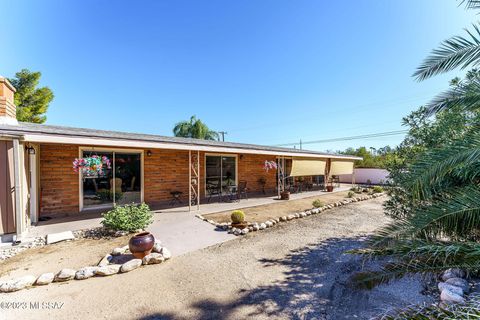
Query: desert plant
350	194
356	189
129	217
377	189
317	203
237	216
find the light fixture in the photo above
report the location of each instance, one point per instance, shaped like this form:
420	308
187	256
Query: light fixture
31	150
149	153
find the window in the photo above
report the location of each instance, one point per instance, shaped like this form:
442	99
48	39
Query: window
220	173
121	184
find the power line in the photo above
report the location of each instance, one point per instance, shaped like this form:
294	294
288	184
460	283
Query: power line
364	136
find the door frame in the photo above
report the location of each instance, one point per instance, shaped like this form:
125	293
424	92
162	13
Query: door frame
81	149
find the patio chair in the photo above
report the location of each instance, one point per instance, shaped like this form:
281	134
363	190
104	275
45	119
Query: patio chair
242	189
212	190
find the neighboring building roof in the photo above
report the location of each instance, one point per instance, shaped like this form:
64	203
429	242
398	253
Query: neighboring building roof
60	134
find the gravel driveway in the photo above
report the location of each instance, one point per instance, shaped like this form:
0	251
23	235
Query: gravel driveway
292	271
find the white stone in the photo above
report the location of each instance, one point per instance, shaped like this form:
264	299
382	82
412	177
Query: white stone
269	224
237	232
256	227
459	282
166	253
157	246
17	284
450	297
445	286
131	265
45	278
121	233
290	217
108	270
85	273
245	231
61	236
105	260
284	218
453	273
64	275
119	251
262	226
153	258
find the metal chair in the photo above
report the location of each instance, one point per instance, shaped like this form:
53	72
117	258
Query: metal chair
242	189
212	190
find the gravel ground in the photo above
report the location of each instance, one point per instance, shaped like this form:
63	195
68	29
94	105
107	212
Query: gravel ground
295	270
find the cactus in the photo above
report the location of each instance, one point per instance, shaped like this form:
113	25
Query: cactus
317	203
350	194
237	216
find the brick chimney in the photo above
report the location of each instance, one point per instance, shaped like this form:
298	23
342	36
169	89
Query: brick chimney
8	110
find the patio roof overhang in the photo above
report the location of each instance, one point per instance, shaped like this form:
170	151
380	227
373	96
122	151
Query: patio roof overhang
94	141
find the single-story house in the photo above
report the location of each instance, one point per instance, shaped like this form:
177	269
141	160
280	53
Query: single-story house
37	177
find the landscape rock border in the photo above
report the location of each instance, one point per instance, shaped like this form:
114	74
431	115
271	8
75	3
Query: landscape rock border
272	222
103	268
453	286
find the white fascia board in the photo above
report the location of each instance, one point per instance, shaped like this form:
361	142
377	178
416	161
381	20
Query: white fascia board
165	145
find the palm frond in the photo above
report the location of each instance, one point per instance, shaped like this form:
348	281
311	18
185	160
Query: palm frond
470	4
466	98
455	52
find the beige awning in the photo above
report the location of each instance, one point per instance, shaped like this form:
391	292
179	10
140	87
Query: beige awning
301	167
341	167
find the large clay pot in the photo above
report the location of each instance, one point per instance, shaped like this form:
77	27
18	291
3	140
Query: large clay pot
141	244
329	188
285	195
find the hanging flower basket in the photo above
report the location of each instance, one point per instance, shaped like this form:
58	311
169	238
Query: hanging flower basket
269	165
92	166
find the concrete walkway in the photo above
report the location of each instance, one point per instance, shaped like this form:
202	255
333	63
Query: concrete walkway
177	228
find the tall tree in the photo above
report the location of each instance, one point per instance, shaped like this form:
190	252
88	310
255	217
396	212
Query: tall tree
32	102
194	128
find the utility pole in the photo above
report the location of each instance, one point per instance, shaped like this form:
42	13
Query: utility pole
300	144
223	133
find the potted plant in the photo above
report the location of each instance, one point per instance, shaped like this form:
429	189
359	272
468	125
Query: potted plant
238	219
285	195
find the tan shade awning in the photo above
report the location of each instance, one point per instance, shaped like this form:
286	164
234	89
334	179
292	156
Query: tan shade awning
341	167
303	167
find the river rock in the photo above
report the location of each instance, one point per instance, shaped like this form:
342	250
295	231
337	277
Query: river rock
119	251
131	265
450	297
157	246
459	282
45	278
153	258
453	273
108	270
445	286
245	231
64	275
105	260
17	284
166	253
262	226
85	273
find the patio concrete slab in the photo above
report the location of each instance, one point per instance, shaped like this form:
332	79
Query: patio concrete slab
60	236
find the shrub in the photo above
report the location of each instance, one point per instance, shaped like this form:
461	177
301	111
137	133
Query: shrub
350	194
317	203
237	216
129	217
377	189
356	189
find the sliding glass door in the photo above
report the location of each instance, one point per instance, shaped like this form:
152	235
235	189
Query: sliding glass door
220	173
121	184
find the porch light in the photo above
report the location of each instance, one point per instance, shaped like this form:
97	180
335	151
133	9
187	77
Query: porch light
149	153
31	150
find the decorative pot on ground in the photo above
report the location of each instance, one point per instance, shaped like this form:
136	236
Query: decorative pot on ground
285	195
141	244
329	188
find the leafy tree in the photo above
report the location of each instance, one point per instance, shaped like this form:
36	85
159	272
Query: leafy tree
32	102
194	128
371	158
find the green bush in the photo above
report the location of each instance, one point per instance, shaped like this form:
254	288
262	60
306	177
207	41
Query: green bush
129	217
237	216
317	203
377	189
356	189
350	194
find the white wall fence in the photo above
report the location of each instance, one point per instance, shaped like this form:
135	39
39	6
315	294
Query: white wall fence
365	175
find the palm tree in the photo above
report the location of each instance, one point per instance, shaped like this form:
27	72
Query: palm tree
194	128
444	232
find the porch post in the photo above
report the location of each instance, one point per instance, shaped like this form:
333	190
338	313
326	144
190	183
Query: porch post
189	180
18	190
198	180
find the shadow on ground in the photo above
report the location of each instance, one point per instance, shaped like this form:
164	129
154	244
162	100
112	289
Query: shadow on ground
316	286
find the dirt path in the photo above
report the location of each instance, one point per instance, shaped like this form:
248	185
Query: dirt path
292	271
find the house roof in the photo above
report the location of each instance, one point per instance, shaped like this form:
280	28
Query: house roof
60	134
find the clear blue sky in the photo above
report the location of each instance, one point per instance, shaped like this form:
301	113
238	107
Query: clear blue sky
267	72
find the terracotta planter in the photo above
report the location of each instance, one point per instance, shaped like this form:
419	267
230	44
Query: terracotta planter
141	244
241	225
285	195
329	188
